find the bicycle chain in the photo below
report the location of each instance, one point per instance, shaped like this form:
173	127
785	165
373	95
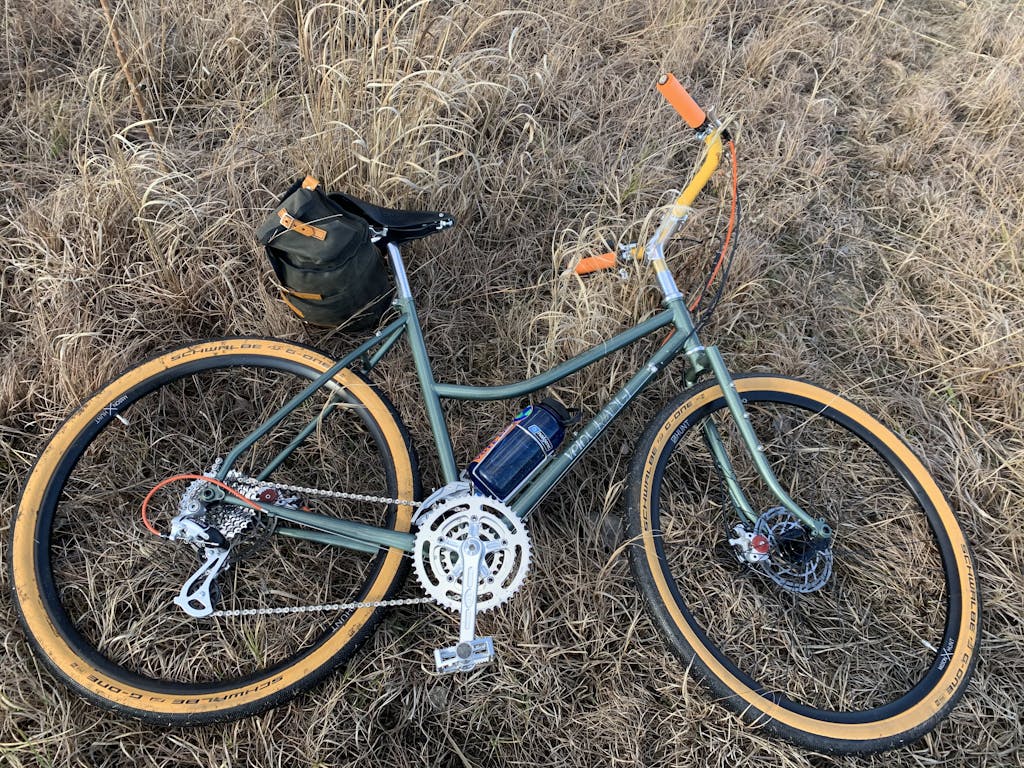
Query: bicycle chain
324	607
237	477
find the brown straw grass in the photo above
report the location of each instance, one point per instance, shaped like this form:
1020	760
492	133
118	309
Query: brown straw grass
882	175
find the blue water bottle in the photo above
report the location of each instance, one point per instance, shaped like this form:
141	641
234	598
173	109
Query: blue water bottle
519	451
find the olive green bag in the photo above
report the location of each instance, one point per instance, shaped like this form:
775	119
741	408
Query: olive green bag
330	271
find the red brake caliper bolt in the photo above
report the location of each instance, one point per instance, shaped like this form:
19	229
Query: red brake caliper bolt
759	544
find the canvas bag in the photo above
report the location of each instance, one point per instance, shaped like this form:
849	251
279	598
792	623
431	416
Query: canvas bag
330	271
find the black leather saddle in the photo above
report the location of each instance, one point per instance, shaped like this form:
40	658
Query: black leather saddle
394	225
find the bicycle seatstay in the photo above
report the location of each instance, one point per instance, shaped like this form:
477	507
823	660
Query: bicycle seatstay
387	336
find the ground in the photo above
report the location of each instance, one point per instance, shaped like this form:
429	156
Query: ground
881	171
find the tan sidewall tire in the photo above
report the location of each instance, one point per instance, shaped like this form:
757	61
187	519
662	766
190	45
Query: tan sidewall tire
135	696
654	580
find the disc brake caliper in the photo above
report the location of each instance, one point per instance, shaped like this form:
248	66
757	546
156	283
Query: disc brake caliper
749	547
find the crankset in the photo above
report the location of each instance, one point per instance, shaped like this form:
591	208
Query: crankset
472	554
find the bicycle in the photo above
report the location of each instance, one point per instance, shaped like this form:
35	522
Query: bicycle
764	518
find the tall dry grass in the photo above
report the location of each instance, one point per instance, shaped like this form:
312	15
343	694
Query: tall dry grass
882	172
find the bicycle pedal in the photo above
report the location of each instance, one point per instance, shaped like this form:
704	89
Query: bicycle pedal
464	657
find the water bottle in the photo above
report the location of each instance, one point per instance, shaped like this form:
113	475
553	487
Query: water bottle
518	452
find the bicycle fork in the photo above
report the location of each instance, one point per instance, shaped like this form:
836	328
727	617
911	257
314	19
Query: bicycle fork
710	358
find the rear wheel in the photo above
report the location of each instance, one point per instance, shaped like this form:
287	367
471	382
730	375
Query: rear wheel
94	588
860	646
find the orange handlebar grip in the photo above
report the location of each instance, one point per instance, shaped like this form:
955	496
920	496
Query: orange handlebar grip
595	263
684	104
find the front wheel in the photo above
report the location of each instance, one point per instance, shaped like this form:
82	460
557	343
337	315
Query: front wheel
880	644
95	590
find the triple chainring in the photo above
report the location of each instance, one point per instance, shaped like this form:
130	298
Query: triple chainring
459	519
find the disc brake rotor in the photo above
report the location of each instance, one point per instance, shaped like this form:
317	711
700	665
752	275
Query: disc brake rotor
797	562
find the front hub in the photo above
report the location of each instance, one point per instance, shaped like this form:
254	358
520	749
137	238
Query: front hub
798	561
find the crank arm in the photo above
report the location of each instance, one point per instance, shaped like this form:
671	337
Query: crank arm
471	651
472	551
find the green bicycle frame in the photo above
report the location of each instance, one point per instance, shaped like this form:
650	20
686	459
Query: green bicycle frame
681	340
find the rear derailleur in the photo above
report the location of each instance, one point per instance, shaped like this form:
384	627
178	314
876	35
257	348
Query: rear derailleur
222	532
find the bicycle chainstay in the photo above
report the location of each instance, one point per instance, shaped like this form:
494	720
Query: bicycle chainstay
239	478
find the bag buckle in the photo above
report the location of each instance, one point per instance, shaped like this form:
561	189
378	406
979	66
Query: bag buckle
290	222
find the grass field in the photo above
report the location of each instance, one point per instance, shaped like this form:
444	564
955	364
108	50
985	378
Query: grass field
882	255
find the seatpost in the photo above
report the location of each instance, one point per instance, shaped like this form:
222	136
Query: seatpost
398	268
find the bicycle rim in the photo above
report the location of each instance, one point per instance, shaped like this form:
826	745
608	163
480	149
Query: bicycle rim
876	655
106	585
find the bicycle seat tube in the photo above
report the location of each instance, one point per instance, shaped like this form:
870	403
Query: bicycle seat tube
428	386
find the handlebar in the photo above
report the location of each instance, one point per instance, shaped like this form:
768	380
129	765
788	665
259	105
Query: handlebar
696	118
595	263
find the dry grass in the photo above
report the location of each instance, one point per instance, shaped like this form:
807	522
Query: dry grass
882	172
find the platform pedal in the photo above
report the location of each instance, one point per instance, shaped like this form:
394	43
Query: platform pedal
464	657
